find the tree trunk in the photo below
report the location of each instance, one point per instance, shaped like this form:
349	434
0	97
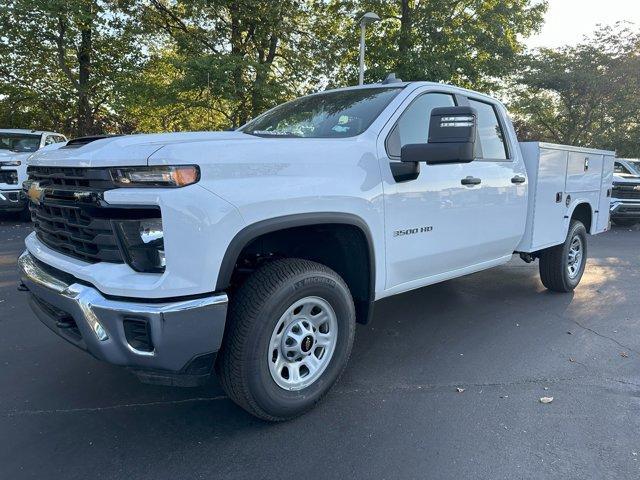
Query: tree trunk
240	115
265	60
404	39
85	113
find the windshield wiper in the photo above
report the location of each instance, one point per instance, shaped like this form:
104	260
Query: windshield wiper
269	133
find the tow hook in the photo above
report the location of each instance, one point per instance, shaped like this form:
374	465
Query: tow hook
22	287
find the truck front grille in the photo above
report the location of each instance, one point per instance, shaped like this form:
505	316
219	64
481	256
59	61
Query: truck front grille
9	177
72	230
94	178
71	216
626	192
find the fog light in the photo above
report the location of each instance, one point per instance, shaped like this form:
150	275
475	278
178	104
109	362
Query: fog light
142	244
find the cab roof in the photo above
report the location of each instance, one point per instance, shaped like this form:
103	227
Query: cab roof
415	84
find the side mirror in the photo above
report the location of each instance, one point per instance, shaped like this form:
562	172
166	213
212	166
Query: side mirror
452	138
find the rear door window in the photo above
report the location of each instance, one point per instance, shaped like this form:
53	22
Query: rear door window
490	131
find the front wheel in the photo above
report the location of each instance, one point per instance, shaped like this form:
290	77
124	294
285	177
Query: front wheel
562	266
290	331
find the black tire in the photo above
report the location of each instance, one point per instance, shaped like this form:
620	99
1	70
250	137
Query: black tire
242	366
625	222
554	261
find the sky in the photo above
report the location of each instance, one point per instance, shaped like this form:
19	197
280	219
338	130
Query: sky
567	21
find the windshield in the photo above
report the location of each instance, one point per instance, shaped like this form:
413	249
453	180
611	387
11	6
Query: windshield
338	114
635	166
19	142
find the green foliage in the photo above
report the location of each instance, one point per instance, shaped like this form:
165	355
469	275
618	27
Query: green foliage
466	42
90	66
585	95
64	63
226	61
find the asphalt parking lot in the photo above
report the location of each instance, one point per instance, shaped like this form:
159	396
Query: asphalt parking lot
396	413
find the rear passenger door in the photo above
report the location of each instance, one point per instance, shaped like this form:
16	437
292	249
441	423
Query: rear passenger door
500	166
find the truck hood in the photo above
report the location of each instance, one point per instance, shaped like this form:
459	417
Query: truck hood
626	179
126	150
9	156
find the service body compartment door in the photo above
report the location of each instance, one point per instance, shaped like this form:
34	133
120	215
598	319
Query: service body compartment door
583	172
550	208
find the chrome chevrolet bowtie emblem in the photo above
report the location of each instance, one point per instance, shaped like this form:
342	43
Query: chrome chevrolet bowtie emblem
35	193
637	187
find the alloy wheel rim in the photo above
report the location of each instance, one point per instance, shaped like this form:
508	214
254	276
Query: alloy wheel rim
575	257
302	343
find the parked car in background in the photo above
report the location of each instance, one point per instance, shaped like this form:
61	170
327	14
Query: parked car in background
625	196
16	145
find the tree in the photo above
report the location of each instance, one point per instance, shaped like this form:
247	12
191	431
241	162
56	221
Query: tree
64	62
466	42
228	60
585	95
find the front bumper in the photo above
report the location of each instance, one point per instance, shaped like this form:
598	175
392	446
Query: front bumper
184	334
625	210
12	200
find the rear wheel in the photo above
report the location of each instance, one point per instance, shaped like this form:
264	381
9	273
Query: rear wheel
562	266
289	335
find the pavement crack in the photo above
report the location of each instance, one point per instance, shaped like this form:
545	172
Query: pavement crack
114	407
595	332
372	390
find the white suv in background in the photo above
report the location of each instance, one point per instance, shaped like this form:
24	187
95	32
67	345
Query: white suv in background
16	145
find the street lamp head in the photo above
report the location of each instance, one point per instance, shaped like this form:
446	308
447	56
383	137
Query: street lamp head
368	18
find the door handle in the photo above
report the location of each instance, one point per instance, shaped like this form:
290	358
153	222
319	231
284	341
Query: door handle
471	181
518	179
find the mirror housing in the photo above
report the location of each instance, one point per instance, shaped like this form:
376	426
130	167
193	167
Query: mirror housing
452	138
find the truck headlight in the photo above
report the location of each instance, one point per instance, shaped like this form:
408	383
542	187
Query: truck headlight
161	176
11	163
142	243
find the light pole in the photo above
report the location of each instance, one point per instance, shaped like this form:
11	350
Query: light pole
367	18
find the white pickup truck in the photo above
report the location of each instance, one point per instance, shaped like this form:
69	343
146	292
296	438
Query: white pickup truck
255	252
16	146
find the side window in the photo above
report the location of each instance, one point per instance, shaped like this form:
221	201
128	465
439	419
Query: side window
489	131
619	168
59	138
413	125
49	140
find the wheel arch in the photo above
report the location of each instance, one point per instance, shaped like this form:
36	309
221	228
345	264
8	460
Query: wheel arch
255	231
583	211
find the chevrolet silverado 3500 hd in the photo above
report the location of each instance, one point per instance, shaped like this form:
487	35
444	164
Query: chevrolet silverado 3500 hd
254	252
